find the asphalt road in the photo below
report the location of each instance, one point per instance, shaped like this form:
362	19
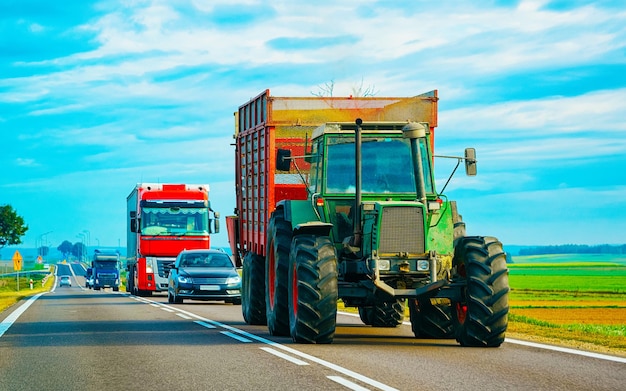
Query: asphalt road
77	339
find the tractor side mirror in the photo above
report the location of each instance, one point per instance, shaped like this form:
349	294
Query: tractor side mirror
470	161
283	160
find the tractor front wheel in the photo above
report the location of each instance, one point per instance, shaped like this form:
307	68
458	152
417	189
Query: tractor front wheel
430	320
313	290
365	314
387	313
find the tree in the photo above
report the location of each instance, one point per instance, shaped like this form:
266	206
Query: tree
65	248
78	250
12	226
328	90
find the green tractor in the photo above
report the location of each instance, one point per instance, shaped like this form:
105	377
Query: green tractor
375	233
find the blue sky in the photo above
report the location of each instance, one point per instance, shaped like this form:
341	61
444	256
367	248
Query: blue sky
96	96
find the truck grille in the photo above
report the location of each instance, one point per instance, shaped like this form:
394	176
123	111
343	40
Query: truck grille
163	271
402	230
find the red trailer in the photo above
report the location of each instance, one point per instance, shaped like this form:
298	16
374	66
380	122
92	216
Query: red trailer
268	123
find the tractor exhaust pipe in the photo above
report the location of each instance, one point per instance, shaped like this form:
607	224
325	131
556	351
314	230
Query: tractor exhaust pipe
414	131
356	238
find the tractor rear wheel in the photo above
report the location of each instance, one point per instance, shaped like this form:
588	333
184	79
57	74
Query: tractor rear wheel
481	319
313	289
387	314
430	320
253	289
279	235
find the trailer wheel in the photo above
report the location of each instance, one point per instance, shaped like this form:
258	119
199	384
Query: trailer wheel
313	290
253	289
387	314
430	320
481	319
279	235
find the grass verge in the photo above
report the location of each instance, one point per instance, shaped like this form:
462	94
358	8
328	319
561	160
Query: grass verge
9	294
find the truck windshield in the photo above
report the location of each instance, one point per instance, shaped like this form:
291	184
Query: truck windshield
174	221
386	166
105	264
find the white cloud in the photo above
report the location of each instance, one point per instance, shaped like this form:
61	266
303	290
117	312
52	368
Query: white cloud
546	117
26	162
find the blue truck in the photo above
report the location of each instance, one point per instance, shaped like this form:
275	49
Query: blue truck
104	271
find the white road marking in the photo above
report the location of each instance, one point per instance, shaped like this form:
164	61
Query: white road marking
235	336
567	350
167	309
284	356
355	375
347	383
9	320
205	324
183	316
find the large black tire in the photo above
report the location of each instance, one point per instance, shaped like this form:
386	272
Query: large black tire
430	320
387	314
365	314
481	319
130	281
253	289
313	290
459	225
176	299
279	235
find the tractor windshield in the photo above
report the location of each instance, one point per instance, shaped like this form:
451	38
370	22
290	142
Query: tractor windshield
386	165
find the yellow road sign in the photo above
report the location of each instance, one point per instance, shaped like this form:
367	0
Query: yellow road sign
17	261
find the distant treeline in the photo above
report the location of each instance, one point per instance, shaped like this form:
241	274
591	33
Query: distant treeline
574	249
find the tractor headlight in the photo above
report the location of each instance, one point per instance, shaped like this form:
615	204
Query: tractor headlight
423	265
383	264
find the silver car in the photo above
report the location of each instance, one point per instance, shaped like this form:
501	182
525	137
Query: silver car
65	281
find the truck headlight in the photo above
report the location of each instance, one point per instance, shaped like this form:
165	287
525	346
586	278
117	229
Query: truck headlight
150	261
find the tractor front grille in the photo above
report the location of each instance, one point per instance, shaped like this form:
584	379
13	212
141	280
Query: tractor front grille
401	230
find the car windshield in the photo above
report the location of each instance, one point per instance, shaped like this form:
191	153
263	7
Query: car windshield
205	260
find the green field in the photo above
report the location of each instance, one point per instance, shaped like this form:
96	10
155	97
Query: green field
570	299
575	273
